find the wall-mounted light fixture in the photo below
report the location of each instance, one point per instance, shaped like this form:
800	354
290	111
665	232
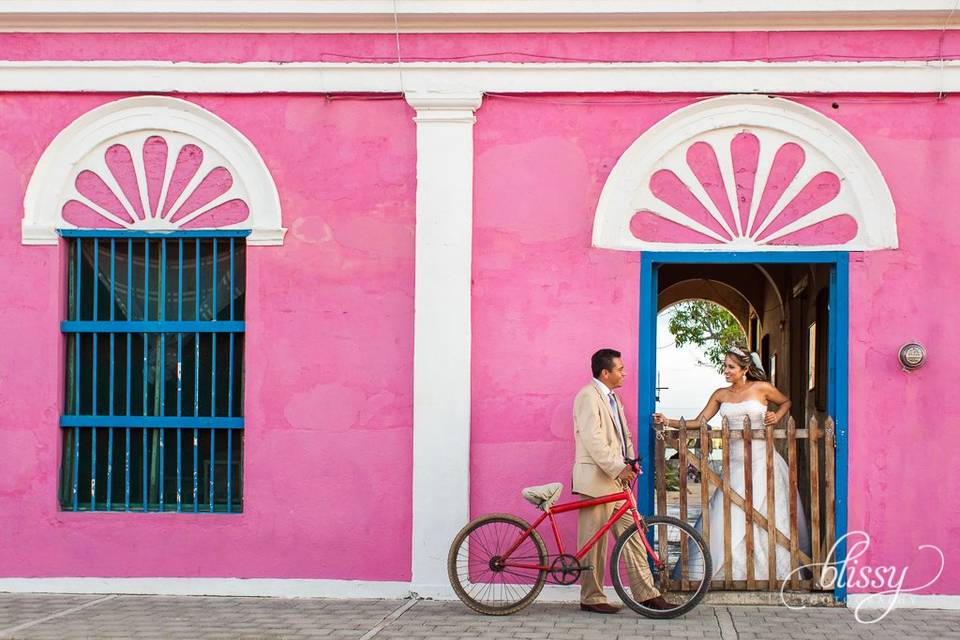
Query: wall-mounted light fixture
912	356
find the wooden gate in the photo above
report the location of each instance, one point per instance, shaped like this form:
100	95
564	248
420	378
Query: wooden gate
809	453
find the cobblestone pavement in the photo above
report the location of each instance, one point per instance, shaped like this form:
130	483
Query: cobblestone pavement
77	616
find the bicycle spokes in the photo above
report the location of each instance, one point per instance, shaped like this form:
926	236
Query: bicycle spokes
492	569
680	571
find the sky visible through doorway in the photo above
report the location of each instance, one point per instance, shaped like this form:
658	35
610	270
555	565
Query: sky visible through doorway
689	383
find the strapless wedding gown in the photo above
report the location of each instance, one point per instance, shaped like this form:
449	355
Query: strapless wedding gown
735	412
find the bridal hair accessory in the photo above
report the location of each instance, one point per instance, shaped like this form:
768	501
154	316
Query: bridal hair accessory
756	361
735	349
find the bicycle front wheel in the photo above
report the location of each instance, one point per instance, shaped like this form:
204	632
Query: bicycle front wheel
683	577
479	575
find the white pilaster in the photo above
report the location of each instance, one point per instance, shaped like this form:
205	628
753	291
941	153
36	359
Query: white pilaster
441	357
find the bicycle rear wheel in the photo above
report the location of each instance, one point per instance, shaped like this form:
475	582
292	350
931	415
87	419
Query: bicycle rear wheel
479	577
684	579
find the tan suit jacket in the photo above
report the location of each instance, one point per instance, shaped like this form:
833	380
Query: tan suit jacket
598	459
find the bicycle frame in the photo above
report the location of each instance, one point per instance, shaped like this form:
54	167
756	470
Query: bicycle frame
629	504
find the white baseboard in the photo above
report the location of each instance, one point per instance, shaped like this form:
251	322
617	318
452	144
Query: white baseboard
361	589
903	601
270	587
266	587
550	593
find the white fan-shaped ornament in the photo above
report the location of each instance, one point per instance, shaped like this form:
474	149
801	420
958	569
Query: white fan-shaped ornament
745	173
738	188
155	182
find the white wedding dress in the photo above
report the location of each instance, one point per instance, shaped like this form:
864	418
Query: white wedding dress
735	412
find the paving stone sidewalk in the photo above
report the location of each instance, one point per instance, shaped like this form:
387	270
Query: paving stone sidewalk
59	617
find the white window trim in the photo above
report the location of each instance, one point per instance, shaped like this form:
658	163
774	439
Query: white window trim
44	196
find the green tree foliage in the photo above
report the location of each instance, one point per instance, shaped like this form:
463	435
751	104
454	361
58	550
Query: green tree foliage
705	325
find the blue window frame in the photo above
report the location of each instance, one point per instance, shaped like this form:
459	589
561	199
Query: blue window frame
154	346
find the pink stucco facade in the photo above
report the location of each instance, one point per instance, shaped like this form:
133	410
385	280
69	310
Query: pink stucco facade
329	376
346	271
495	47
540	288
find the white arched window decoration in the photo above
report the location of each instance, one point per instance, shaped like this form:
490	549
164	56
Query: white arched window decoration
151	163
745	173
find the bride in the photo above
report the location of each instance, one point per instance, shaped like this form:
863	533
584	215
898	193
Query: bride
747	396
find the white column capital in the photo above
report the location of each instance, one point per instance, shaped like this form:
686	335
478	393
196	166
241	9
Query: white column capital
434	106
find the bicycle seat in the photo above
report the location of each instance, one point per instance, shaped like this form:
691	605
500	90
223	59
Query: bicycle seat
544	495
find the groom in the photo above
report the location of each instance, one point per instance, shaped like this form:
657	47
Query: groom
602	443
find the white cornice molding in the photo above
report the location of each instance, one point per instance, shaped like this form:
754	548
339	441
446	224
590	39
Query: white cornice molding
138	76
466	16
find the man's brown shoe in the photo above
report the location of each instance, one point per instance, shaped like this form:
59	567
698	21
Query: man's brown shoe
600	607
658	603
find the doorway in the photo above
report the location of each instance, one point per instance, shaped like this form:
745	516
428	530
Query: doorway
793	308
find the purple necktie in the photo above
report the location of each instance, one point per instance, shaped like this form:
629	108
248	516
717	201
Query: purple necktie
616	419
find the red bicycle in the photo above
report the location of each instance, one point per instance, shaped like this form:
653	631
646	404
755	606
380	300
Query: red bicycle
498	563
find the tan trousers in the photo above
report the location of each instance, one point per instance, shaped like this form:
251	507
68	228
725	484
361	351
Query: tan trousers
591	519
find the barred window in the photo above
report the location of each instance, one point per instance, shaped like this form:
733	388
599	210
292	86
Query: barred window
154	335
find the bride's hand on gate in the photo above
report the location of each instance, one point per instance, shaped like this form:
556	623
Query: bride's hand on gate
659	419
769	418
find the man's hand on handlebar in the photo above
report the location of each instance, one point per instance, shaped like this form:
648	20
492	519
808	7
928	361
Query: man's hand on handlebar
631	471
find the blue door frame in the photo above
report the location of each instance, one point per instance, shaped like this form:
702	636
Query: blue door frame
838	361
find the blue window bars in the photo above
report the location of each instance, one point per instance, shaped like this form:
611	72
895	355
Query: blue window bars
153	416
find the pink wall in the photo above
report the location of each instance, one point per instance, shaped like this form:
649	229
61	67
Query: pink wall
328	398
505	47
904	427
544	300
328	379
